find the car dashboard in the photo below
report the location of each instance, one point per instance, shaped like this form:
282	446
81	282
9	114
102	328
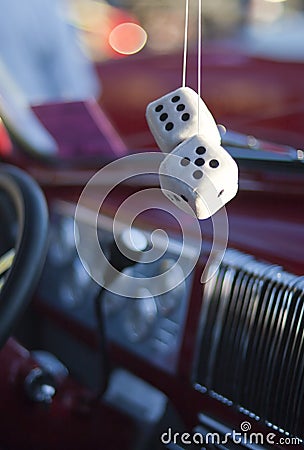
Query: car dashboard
198	342
203	360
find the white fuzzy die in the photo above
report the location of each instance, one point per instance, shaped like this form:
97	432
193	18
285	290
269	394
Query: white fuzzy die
174	118
199	177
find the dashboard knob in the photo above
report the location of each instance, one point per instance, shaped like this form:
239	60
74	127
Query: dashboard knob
39	386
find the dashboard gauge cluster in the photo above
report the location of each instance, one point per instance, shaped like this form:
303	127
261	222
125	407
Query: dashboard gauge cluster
150	326
143	322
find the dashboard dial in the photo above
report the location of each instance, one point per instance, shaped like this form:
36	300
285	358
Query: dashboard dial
62	248
113	303
174	284
75	284
140	316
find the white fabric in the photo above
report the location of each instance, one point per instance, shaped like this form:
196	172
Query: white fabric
199	177
166	139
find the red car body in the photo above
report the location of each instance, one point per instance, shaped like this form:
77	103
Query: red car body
246	94
253	95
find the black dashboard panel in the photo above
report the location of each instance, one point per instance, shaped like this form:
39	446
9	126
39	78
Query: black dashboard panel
150	326
249	333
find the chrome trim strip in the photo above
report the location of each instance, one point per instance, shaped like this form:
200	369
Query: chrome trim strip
251	340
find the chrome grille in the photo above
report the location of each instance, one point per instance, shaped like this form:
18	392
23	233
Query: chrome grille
251	351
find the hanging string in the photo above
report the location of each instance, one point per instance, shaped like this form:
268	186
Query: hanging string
185	43
199	54
199	62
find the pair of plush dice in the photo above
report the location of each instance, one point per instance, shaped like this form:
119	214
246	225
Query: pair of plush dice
198	175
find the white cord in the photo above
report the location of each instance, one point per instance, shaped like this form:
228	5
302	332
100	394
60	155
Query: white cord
185	43
199	62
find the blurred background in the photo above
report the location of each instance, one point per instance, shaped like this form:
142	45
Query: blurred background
69	50
49	43
269	25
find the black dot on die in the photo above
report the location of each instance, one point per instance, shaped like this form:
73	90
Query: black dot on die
185	117
169	126
199	162
198	174
201	150
159	108
180	107
184	198
185	162
175	99
214	163
163	117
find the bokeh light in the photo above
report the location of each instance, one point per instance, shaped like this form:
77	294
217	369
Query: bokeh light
128	38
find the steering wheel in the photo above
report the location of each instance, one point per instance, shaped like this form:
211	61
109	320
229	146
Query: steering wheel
25	202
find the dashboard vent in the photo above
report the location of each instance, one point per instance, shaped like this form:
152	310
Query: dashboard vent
251	349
